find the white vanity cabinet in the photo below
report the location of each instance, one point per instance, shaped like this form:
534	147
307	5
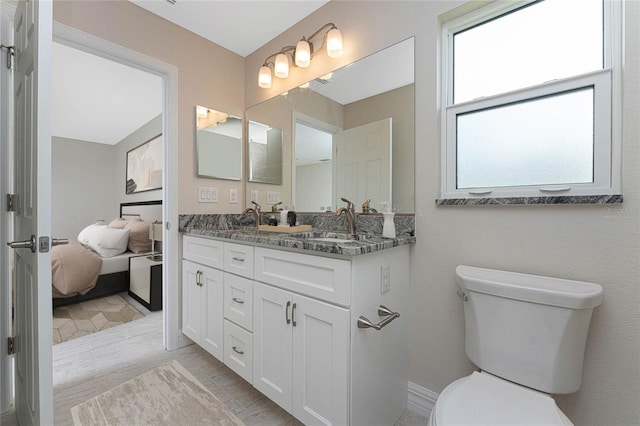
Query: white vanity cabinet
289	323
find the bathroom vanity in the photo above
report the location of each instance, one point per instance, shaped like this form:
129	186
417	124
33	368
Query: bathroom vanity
310	322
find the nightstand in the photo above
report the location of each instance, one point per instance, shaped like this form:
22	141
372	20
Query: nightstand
145	280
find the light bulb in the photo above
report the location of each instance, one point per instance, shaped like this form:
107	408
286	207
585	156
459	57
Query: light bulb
303	54
334	43
264	77
281	69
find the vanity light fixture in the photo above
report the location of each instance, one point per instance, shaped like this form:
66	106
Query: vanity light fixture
300	54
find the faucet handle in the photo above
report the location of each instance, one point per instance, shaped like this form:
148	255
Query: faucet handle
274	207
257	206
350	205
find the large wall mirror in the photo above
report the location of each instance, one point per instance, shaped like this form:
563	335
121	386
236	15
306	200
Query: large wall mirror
349	133
219	144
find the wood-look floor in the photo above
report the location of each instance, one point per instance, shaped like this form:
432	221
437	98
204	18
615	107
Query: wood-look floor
90	365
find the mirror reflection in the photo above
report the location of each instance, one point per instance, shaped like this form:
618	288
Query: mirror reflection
265	153
219	144
347	134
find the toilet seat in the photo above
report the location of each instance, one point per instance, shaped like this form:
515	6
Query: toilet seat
484	399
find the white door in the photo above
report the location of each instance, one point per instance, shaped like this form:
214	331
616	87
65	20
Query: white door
320	362
32	273
363	164
272	344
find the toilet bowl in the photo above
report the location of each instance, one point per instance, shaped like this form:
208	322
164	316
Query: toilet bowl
484	399
527	335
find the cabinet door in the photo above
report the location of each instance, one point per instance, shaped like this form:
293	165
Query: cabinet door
202	306
191	301
212	300
272	344
320	362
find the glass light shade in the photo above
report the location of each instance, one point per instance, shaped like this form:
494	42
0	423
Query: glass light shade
303	54
264	77
334	43
282	66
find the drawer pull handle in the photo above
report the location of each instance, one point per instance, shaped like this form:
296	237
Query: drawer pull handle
286	312
198	276
237	259
237	300
238	351
383	311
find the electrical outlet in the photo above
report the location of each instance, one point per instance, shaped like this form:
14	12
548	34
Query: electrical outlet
207	195
233	196
385	278
254	196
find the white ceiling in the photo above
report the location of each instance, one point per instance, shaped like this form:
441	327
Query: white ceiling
98	100
240	26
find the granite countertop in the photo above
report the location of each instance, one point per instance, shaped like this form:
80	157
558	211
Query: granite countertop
304	241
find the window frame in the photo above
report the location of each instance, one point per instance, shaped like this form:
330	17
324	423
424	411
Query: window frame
607	109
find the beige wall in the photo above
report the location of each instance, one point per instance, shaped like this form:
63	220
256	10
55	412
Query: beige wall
591	243
207	75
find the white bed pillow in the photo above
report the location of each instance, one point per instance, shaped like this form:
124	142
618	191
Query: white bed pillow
86	233
109	242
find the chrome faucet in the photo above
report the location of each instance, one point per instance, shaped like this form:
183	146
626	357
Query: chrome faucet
350	214
256	212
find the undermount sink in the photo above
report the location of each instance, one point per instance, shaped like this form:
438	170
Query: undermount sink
331	240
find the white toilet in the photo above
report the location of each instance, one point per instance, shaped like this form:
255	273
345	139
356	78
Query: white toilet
527	335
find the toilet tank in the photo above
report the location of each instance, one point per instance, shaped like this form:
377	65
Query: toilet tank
529	329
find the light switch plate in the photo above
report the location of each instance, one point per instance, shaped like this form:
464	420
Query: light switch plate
207	194
254	196
385	278
233	196
273	197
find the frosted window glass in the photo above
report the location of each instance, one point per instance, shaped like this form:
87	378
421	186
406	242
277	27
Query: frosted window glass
543	141
529	46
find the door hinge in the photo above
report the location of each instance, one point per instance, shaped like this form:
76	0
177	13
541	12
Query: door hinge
11	345
10	54
11	202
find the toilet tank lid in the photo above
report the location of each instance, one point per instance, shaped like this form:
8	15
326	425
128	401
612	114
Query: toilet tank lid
531	288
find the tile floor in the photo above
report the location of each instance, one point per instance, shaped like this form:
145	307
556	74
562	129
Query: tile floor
89	365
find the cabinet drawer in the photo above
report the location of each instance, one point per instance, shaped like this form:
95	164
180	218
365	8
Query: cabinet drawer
238	350
238	259
203	250
238	300
318	277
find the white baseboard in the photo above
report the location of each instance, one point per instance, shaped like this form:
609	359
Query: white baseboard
421	400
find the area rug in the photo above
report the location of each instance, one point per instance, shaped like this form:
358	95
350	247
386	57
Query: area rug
166	395
80	319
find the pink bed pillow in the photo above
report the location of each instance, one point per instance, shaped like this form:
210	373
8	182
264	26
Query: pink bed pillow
139	241
119	223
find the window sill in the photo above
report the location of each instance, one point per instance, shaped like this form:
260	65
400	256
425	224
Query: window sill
577	199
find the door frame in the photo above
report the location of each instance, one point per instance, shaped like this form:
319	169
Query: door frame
78	39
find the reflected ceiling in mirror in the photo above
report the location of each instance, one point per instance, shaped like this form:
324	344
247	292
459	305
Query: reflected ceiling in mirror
374	88
219	144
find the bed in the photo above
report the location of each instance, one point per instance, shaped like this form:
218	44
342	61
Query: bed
84	263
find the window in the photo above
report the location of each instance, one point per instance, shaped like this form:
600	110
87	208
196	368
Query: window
530	98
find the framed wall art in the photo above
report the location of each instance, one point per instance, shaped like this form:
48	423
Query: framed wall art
144	167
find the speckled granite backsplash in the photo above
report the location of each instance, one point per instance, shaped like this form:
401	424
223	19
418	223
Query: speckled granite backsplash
365	224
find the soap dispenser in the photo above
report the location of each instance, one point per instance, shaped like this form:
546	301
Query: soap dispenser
388	226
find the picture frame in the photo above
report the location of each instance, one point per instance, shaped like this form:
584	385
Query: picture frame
144	167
